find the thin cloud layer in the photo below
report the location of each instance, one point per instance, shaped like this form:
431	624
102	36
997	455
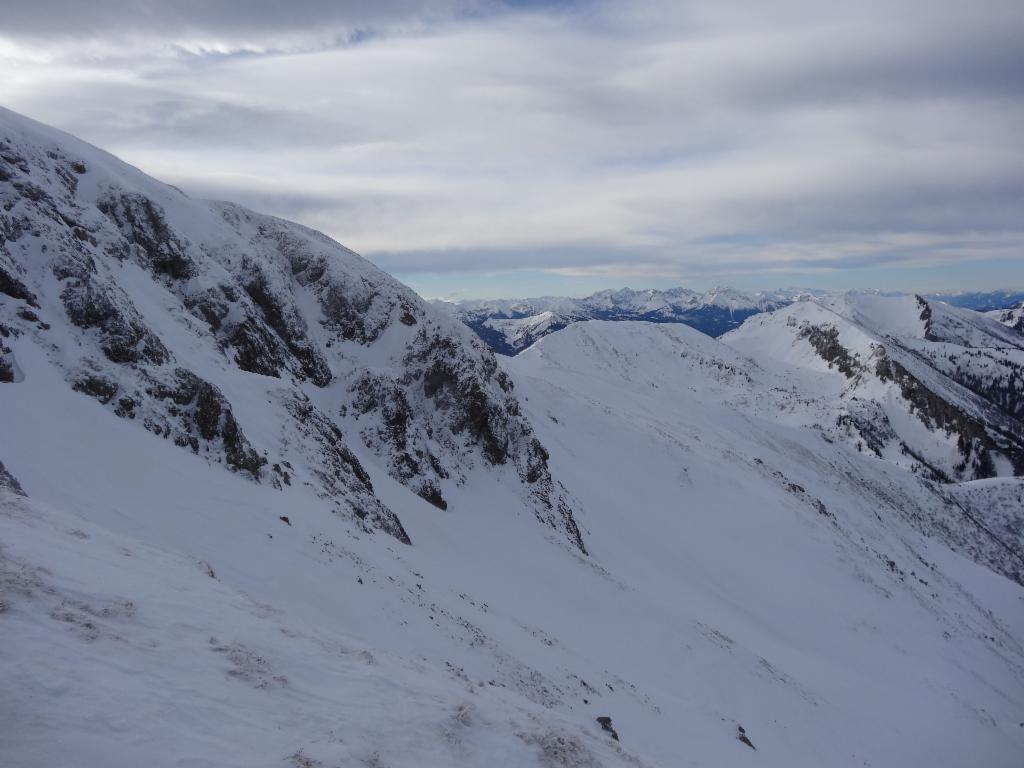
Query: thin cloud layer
689	141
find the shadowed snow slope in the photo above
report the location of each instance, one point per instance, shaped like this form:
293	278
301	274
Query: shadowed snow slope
221	430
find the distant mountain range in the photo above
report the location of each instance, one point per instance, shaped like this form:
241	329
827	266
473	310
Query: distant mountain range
981	301
508	326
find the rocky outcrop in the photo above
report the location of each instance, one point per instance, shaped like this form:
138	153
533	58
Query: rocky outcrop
169	300
92	304
825	340
146	235
340	475
973	440
10	482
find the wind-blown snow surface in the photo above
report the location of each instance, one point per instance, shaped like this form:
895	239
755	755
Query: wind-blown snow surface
160	606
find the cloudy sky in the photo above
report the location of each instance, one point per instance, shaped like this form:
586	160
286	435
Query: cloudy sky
490	148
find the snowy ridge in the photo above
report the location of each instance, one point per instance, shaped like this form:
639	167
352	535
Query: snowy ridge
509	326
927	386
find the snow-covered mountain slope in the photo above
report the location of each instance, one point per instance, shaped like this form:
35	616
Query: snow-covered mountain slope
717	490
1012	318
509	326
249	340
750	591
118	653
924	385
744	573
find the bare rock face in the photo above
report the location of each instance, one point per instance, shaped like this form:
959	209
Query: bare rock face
979	407
94	304
10	482
175	307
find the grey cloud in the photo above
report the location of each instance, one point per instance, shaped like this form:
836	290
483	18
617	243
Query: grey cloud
232	19
283	203
181	124
663	137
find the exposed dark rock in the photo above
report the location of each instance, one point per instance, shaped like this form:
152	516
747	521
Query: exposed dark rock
973	440
606	725
125	408
433	413
926	316
143	224
741	735
13	287
6	359
89	304
457	389
339	472
265	330
257	349
825	340
282	317
867	420
94	385
428	491
347	314
536	462
200	411
10	482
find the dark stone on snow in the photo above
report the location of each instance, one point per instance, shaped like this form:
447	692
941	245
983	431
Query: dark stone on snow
606	725
13	287
201	408
94	385
124	337
741	735
143	224
825	340
429	491
10	482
